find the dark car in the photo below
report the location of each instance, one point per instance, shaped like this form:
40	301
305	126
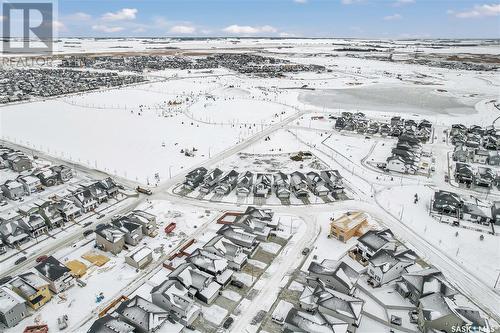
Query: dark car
87	232
87	224
237	284
306	251
5	279
228	322
41	258
20	260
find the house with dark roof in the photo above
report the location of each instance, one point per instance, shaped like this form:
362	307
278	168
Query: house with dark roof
174	297
281	185
56	274
262	185
223	247
317	185
374	240
64	173
194	178
464	173
306	322
145	316
416	285
13	189
210	180
198	283
239	236
244	186
108	238
333	180
132	231
227	183
438	313
336	275
299	184
213	264
343	307
447	203
146	220
110	324
32	288
387	265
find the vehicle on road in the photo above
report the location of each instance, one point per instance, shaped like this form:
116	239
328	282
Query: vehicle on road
229	321
20	260
5	279
144	190
87	232
41	258
306	251
87	224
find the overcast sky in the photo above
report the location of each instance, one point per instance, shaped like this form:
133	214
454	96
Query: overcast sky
300	18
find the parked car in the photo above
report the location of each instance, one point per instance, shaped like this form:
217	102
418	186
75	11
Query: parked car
237	284
41	258
20	260
229	321
306	251
87	232
87	224
5	279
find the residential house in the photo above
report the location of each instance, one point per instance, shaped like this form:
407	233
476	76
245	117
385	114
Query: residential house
223	247
13	189
64	173
56	274
460	153
447	203
255	226
3	247
244	186
109	239
34	225
350	224
109	186
145	316
146	220
336	275
241	237
485	177
330	302
495	212
299	184
19	162
213	264
132	231
98	193
261	214
52	216
198	283
10	231
174	297
109	324
12	307
68	209
227	183
84	200
437	313
474	213
263	185
317	185
333	179
47	176
416	285
210	180
317	322
140	257
373	240
281	185
31	184
464	173
32	288
493	157
387	265
480	156
195	178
